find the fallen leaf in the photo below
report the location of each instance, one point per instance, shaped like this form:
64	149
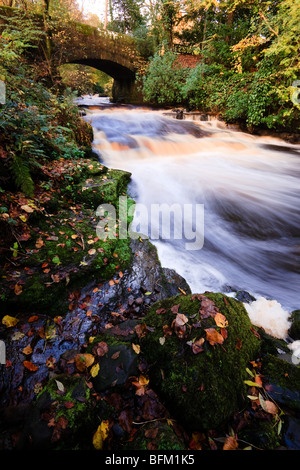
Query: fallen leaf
160	311
92	251
268	405
68	404
100	349
39	243
33	318
27	208
136	348
9	321
221	320
18	289
180	320
27	350
197	345
100	435
213	337
30	366
60	386
83	361
230	443
116	355
95	370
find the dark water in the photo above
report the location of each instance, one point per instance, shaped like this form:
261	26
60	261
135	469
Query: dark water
248	186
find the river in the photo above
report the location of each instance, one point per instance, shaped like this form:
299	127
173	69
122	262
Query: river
246	186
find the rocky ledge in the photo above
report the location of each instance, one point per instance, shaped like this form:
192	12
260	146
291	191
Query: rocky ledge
113	351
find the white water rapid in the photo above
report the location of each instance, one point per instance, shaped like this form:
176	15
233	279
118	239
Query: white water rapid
249	187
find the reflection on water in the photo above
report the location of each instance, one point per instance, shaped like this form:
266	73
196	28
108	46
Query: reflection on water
249	187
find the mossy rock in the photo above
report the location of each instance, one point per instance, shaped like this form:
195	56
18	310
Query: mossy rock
261	434
202	388
156	436
99	189
284	378
294	330
60	414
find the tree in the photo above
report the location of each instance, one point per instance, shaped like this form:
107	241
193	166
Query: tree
127	15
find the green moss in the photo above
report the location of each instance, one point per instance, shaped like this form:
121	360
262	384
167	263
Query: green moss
281	372
261	434
202	389
294	331
164	438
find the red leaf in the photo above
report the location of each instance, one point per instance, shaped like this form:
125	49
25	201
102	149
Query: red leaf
69	404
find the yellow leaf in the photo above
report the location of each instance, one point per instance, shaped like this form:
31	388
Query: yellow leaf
100	435
221	320
27	350
9	321
95	370
27	208
83	361
136	348
23	218
143	380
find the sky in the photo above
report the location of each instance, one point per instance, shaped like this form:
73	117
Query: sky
93	6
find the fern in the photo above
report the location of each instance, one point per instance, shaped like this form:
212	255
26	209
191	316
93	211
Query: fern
21	175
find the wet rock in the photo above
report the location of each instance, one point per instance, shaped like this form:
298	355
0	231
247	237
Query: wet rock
120	363
200	377
244	296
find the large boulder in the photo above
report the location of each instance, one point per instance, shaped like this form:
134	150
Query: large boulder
198	348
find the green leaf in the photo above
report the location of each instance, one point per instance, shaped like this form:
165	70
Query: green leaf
56	260
251	383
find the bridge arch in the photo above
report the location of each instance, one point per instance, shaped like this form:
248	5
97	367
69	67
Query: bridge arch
114	54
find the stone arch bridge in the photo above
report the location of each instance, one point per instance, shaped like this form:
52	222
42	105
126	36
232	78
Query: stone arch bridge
115	54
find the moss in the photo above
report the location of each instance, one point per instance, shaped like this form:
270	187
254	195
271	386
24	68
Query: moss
64	248
294	330
202	389
281	372
163	438
261	434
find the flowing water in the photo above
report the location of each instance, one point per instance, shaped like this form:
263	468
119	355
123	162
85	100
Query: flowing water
248	186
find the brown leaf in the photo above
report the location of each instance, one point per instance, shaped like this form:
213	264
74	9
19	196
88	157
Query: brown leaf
18	289
39	243
180	320
197	346
167	331
27	350
30	366
100	349
33	318
213	337
230	443
175	308
159	311
208	308
116	355
69	404
83	361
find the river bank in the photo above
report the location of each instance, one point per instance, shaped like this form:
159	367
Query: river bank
83	318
